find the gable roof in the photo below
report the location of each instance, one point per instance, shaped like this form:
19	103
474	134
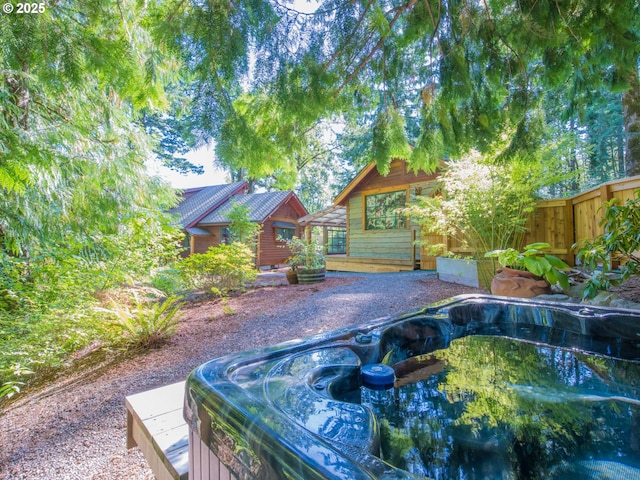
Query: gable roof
201	201
261	206
354	183
361	177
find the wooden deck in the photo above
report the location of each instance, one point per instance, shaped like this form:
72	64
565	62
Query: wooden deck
155	424
342	263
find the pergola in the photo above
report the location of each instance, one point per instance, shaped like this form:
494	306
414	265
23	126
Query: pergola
333	216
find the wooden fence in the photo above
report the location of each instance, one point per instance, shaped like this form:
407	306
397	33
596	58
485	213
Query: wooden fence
561	222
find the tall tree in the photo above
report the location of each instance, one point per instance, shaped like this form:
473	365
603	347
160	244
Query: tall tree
72	152
631	106
444	75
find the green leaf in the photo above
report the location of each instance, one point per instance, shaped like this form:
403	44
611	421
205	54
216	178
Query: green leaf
557	262
537	265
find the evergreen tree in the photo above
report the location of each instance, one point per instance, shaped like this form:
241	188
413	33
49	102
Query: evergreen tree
72	153
442	75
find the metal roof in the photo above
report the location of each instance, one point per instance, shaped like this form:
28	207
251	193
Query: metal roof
198	231
199	204
260	205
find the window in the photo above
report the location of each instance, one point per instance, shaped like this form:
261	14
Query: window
285	233
225	235
381	210
336	240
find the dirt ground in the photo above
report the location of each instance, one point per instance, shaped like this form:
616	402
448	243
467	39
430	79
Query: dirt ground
75	427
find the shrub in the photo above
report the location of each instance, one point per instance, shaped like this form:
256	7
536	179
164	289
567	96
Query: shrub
620	240
221	269
168	281
484	206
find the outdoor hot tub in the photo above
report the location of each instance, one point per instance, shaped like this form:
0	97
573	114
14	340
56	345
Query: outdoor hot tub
481	387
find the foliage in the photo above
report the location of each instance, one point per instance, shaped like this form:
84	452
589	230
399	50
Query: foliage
533	259
241	228
484	206
9	389
78	212
167	280
304	254
38	340
446	76
146	324
221	269
620	241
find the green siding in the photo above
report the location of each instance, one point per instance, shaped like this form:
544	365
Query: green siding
375	243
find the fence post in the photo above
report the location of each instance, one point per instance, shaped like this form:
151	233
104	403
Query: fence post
569	231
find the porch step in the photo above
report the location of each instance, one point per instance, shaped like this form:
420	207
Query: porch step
155	424
367	264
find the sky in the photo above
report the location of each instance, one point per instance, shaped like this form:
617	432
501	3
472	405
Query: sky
202	156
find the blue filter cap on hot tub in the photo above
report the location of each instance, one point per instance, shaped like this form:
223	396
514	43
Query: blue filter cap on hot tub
377	376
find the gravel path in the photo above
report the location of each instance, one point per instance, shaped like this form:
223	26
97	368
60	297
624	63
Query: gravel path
76	428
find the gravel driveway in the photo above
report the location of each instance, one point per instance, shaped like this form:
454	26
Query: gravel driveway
76	427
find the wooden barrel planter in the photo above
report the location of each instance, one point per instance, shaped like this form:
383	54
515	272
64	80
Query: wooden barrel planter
307	276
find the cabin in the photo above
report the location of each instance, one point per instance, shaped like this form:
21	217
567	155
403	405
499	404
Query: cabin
203	214
378	237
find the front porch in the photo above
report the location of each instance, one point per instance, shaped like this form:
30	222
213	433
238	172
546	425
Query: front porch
338	258
344	263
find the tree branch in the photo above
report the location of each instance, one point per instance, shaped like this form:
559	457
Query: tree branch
504	42
350	37
377	47
435	25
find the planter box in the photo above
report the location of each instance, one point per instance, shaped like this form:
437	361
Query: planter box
472	273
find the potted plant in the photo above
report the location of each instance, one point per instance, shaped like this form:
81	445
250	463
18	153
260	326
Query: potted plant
306	261
528	273
477	206
312	270
295	260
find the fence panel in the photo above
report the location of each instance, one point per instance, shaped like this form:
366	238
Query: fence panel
563	222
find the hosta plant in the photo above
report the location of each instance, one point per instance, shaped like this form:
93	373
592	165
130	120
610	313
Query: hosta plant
534	259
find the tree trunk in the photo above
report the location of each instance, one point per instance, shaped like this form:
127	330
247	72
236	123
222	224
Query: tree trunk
631	111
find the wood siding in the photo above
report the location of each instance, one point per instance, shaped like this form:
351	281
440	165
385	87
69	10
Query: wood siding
271	251
201	243
398	176
392	244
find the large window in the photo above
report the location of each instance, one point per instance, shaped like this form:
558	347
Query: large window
284	230
381	210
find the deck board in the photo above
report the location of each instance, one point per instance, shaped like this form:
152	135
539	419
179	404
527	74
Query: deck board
342	263
155	424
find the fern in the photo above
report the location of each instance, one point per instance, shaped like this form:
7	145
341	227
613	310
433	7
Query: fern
146	325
